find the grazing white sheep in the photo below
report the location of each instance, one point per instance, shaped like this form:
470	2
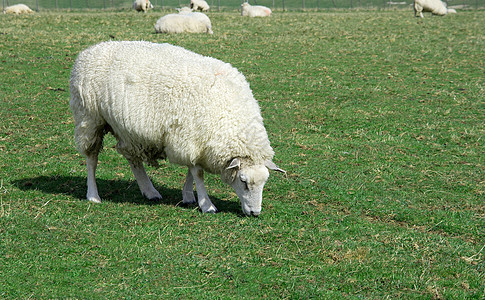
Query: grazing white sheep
18	9
199	5
254	10
142	5
184	21
436	7
163	101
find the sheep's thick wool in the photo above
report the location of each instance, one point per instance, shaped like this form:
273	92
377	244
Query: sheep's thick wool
18	9
199	5
162	101
190	22
436	7
255	10
142	5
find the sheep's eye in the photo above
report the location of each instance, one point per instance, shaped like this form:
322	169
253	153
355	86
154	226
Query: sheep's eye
246	186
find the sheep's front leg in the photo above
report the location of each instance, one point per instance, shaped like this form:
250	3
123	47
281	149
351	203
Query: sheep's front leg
205	203
146	186
91	164
188	191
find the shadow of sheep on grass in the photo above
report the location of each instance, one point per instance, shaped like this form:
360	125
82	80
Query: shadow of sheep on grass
114	190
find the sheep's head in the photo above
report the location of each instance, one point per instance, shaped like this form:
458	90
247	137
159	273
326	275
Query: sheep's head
248	181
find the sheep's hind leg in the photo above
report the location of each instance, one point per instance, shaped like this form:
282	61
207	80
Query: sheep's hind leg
90	147
145	184
91	163
205	203
188	191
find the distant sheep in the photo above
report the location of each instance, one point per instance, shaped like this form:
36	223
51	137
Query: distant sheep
162	101
184	21
254	10
199	5
18	9
436	7
142	5
184	9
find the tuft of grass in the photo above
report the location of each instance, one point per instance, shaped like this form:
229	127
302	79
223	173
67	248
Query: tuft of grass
378	117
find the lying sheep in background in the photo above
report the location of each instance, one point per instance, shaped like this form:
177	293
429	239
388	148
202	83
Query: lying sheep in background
184	21
163	101
436	7
254	10
142	5
197	15
184	9
18	9
199	5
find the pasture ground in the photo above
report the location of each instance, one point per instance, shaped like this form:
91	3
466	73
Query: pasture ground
378	117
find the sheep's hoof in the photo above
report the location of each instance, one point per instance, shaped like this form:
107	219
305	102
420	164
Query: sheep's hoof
94	199
154	196
212	210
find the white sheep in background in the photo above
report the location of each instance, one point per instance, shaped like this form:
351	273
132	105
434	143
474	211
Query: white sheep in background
184	21
204	19
142	5
184	9
254	10
18	9
199	5
436	7
163	101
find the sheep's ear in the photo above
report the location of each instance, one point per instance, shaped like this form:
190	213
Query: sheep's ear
271	165
231	172
235	163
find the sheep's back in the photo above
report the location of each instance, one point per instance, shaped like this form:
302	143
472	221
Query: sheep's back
18	9
180	23
436	7
159	95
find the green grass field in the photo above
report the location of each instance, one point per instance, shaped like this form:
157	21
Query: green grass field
224	5
377	116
